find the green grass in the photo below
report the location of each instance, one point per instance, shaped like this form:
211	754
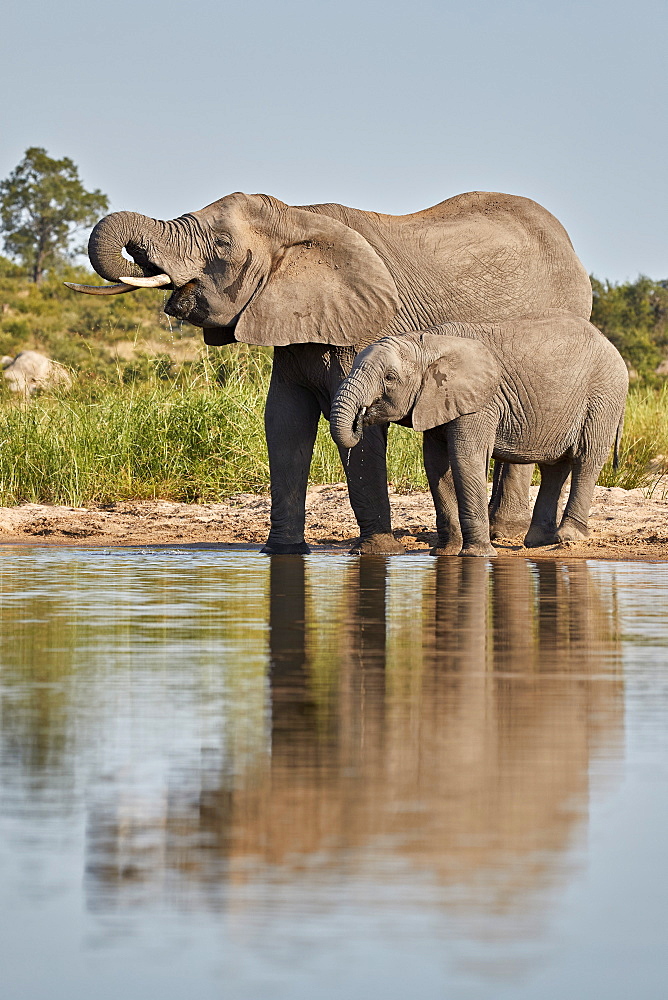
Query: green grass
187	439
192	438
84	331
645	437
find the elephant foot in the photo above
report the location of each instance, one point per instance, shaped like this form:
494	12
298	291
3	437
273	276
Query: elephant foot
571	531
540	535
502	527
378	545
449	547
479	549
285	549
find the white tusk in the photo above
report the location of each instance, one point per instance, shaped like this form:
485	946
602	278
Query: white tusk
155	282
100	289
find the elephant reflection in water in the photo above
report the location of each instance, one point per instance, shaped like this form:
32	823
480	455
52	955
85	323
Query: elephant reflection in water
458	739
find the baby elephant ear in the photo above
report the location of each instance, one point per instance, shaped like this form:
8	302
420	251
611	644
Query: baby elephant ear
329	287
462	379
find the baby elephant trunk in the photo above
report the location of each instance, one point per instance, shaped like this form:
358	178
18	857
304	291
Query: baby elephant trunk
348	410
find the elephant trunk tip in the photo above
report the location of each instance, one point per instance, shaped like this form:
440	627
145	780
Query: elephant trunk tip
347	441
347	434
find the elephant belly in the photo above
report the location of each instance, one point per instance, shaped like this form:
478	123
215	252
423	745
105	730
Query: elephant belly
528	430
528	449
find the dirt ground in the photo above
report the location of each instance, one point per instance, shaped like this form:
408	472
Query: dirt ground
624	524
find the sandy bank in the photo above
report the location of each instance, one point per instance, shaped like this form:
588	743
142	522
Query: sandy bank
624	524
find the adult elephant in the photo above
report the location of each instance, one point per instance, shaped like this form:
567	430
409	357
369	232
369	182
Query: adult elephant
318	283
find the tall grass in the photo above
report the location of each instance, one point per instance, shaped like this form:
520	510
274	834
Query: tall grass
190	439
194	439
645	437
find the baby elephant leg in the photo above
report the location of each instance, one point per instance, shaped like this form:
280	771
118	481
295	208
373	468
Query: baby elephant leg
509	507
469	457
441	484
573	527
543	528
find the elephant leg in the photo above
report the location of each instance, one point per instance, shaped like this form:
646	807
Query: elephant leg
291	423
469	457
509	506
442	486
366	472
573	527
543	528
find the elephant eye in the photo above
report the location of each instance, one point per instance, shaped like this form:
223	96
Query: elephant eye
391	377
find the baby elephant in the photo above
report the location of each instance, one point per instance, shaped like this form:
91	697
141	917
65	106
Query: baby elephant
549	390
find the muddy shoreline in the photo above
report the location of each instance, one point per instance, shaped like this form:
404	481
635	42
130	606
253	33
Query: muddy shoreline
624	524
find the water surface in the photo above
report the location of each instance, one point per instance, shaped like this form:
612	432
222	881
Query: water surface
229	776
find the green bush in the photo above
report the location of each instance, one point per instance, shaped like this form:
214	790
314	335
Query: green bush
82	331
634	316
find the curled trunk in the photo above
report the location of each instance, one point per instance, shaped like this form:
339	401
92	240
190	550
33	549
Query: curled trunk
348	409
137	234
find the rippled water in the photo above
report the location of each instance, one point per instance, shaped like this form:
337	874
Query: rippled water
227	776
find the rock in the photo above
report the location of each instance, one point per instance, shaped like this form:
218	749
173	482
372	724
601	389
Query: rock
30	371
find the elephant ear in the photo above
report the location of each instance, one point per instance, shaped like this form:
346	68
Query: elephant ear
329	287
462	379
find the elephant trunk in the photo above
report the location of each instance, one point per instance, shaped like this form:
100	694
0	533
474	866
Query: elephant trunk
355	395
146	240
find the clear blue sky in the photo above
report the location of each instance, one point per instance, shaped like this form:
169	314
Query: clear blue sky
390	106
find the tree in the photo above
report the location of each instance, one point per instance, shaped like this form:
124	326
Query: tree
42	206
634	316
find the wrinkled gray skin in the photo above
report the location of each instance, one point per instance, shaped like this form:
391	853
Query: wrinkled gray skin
320	281
30	371
550	391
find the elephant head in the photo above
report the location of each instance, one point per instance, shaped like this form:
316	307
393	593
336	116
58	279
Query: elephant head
430	377
252	269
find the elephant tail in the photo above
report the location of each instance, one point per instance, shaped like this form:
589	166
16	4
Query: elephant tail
618	438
